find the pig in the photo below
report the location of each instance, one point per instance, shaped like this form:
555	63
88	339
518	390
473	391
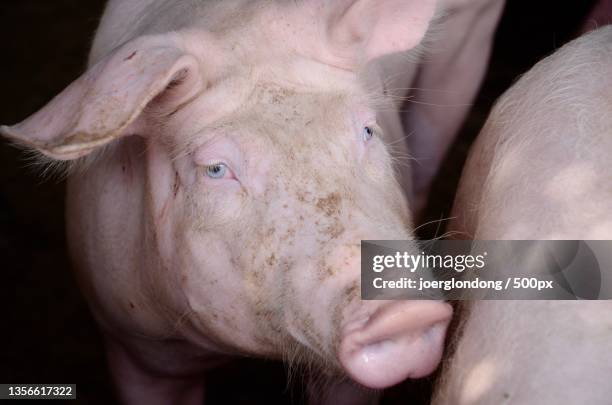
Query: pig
540	169
225	159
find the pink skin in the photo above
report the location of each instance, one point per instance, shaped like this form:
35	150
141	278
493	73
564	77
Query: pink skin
540	169
222	189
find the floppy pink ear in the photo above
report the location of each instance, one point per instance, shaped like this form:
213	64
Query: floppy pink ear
363	30
100	105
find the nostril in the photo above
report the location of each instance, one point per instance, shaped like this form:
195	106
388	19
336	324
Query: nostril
401	340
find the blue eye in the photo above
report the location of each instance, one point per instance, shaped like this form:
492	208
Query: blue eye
367	133
216	171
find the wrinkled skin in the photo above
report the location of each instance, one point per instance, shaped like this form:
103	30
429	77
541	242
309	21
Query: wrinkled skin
222	179
540	169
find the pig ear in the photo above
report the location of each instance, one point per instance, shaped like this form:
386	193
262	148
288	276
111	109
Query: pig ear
102	104
362	30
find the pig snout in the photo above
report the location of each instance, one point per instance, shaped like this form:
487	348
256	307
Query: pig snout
398	340
376	343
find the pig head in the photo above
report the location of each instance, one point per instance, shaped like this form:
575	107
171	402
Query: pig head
221	177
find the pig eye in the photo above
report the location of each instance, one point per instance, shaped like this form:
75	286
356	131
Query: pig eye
216	171
367	133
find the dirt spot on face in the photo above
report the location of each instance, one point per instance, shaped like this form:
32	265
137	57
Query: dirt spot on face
278	97
334	230
269	232
330	205
301	196
286	265
351	292
324	270
132	305
255	278
176	184
271	260
288	235
263	313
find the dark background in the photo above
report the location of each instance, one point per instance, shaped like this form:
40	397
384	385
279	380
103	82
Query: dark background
46	332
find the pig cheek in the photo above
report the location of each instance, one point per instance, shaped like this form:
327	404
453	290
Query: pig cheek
217	299
259	254
319	231
207	254
265	292
380	179
211	207
279	241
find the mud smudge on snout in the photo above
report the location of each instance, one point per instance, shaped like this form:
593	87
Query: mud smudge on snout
330	205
